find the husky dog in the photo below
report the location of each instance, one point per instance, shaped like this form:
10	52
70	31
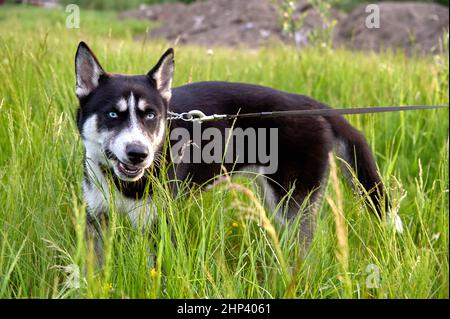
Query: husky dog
123	122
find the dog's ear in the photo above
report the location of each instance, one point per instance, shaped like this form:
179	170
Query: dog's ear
87	69
162	73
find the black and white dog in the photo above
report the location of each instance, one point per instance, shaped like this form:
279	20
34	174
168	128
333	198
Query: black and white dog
123	123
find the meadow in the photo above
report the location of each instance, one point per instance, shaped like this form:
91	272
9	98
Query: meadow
221	248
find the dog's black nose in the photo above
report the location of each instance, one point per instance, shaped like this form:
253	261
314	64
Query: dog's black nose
136	153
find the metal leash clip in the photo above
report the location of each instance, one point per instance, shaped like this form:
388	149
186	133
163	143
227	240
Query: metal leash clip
195	116
175	116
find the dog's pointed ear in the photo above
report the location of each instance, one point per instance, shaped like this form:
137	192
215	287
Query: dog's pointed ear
87	69
162	73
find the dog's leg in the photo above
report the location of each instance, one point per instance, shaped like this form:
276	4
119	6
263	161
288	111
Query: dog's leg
306	192
302	171
143	218
307	206
94	236
302	201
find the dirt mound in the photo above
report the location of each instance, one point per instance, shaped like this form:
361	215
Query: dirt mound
157	12
412	26
224	22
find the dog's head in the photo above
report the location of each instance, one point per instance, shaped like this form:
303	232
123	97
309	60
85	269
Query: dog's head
122	118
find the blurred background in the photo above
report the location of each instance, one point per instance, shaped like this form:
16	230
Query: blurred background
413	26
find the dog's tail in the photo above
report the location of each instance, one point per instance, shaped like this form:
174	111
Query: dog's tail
353	148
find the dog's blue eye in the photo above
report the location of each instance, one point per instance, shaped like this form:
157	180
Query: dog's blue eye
150	116
113	115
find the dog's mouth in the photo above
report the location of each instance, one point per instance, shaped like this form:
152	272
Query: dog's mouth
129	171
124	171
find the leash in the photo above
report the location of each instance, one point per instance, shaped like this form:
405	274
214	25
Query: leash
199	116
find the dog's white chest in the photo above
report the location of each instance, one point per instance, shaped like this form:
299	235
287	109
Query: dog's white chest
101	199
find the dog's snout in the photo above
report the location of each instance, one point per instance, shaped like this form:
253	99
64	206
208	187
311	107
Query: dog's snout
136	153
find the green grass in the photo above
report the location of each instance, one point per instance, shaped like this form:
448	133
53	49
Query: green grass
218	253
